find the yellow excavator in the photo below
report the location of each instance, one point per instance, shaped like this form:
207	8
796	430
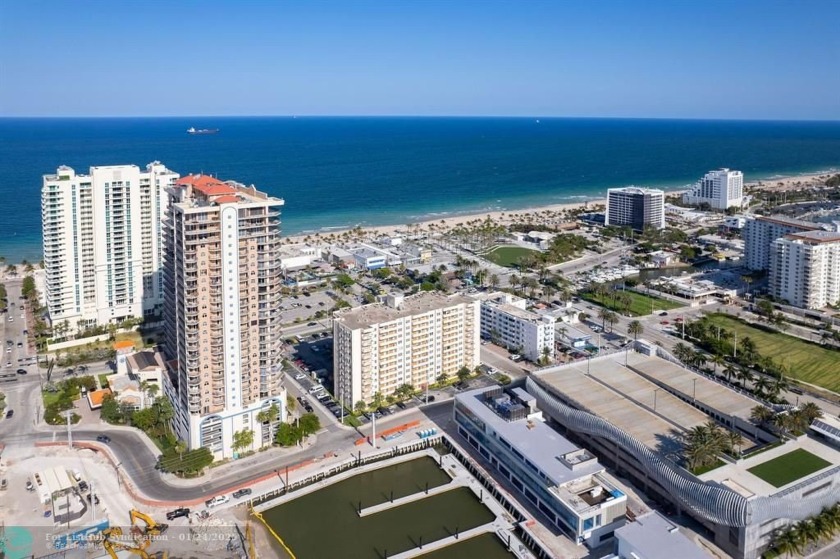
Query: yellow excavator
152	528
141	536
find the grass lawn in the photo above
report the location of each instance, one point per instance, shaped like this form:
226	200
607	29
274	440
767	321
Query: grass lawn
103	381
640	304
788	467
507	256
805	361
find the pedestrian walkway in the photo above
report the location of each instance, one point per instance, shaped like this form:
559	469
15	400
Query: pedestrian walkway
388	505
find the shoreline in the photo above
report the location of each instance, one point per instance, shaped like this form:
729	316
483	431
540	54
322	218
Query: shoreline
779	183
453	218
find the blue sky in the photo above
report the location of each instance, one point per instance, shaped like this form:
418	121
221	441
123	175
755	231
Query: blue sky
703	59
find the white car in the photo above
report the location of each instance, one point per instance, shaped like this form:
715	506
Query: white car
315	389
300	376
216	501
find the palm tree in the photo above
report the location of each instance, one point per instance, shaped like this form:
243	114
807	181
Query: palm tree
788	541
761	414
698	359
681	351
729	371
717	359
811	411
635	329
494	281
734	439
761	385
745	376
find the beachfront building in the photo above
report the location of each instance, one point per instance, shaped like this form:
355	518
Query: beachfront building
805	269
635	207
222	326
720	189
505	321
760	232
102	239
564	482
403	340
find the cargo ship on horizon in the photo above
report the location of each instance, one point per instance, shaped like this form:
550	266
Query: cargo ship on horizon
192	130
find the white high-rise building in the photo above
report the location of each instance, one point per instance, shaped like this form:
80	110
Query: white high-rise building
406	340
222	322
102	242
720	189
760	232
635	207
506	321
805	269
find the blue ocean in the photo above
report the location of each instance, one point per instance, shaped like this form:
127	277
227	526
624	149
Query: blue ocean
342	172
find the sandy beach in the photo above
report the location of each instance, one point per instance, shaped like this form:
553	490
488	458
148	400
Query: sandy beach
542	214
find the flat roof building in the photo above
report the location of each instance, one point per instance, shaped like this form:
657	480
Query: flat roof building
505	320
652	536
405	340
563	481
635	207
720	189
103	243
760	232
805	269
633	408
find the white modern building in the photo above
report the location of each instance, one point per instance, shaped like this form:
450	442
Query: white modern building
405	340
635	207
719	189
652	536
760	232
102	238
505	320
222	322
805	269
295	257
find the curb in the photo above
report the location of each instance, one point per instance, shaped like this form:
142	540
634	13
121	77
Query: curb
135	494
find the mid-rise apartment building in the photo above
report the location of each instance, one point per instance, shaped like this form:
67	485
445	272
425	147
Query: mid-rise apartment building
102	238
405	340
222	292
506	321
760	232
635	207
805	269
720	189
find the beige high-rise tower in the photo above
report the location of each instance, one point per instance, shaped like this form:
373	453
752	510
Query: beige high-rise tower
222	288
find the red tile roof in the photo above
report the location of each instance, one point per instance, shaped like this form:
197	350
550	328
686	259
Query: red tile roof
207	185
226	199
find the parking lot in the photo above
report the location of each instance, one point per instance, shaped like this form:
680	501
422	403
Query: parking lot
302	307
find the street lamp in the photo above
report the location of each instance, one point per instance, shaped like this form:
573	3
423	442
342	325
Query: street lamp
694	392
655	390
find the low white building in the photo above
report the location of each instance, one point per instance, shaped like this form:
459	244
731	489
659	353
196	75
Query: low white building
295	257
505	320
652	536
662	258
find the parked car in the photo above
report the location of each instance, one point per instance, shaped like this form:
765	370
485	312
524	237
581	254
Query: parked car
663	313
300	376
315	389
177	513
94	497
9	414
242	493
29	485
103	439
21	371
83	486
308	408
217	500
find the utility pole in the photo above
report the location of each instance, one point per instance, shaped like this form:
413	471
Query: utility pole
68	415
735	347
373	422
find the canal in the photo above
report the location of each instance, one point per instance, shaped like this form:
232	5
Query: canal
325	523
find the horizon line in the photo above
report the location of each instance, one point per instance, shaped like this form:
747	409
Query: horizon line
398	116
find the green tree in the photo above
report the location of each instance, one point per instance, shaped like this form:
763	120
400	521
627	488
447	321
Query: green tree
242	439
287	435
463	374
110	410
309	424
378	400
635	329
360	407
145	419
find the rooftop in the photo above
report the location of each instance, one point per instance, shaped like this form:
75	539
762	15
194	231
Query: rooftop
782	220
208	190
636	190
653	536
376	313
143	360
532	438
636	400
815	236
